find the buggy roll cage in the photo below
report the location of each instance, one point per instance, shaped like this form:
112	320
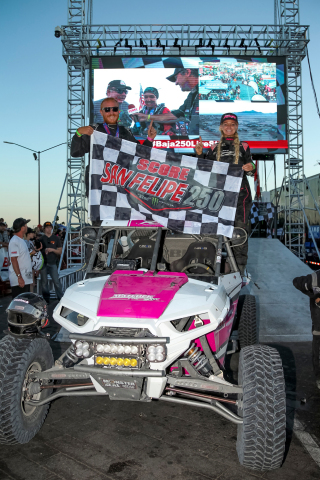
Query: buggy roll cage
160	238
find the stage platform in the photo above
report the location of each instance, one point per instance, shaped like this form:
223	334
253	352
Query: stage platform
283	312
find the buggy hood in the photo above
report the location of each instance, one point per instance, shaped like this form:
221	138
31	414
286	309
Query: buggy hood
139	294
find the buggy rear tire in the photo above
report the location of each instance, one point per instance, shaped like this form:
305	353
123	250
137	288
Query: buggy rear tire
247	329
261	438
20	422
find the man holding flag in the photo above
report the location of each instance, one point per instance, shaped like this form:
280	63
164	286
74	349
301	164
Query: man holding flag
110	113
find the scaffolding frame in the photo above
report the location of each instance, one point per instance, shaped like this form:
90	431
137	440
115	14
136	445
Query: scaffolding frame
294	215
82	40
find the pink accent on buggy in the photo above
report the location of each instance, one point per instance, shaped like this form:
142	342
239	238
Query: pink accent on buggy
144	224
217	338
137	294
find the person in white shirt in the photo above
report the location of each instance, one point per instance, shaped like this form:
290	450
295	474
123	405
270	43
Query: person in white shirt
20	269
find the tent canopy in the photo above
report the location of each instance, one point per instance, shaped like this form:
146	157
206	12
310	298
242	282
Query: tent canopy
254	86
258	98
216	85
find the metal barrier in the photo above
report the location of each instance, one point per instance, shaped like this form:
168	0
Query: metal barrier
67	277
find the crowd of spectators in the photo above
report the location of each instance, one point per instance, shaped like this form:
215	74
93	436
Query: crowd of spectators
233	90
44	246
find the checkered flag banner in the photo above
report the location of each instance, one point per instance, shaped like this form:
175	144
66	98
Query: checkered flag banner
261	211
129	181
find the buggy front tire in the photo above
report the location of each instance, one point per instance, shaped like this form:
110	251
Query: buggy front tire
262	406
248	321
20	422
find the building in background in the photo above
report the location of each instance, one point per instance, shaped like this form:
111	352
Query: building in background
310	210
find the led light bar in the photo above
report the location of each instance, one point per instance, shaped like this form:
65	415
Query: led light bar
156	353
112	348
117	361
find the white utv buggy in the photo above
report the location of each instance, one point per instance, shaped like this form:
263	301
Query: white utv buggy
153	320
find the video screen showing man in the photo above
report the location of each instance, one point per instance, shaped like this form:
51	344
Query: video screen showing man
151	107
116	89
186	117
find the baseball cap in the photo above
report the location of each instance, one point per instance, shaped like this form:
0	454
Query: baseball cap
120	84
172	78
19	223
228	116
47	224
152	90
30	230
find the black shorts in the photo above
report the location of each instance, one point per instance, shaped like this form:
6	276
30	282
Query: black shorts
17	290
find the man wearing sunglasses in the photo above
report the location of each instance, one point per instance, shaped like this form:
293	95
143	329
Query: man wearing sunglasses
110	113
116	89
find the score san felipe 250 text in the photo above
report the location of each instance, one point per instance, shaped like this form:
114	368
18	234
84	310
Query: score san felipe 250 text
169	189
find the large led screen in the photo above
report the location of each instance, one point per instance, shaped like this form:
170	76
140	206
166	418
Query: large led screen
186	96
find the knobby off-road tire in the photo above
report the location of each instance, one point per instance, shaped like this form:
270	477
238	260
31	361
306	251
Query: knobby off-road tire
247	329
20	422
261	438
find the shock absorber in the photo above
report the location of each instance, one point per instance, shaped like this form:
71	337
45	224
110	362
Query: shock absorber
198	360
68	358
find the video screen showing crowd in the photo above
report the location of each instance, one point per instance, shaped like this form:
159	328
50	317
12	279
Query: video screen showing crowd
229	82
168	121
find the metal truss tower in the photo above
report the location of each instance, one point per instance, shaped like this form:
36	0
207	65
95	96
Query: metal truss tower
77	60
294	161
82	40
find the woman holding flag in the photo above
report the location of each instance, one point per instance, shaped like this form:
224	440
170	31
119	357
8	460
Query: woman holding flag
231	150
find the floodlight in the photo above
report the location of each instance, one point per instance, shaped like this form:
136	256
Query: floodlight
142	45
258	45
176	40
126	45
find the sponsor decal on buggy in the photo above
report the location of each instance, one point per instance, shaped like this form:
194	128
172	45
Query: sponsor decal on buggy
124	296
108	382
20	300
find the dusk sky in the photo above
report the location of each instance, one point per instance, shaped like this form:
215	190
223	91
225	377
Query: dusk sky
33	81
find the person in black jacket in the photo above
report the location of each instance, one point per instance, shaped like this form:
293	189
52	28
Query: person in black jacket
231	150
110	112
310	286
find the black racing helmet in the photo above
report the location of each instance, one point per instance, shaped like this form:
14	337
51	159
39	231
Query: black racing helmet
27	314
89	235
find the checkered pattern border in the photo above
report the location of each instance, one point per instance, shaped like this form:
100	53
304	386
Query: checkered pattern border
255	212
109	202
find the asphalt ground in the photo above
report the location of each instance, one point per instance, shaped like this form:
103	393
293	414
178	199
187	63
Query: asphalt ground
93	438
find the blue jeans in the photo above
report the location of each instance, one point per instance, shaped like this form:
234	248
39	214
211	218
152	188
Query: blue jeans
53	272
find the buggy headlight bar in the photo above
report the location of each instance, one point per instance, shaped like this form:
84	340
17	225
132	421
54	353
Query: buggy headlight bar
131	340
121	371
